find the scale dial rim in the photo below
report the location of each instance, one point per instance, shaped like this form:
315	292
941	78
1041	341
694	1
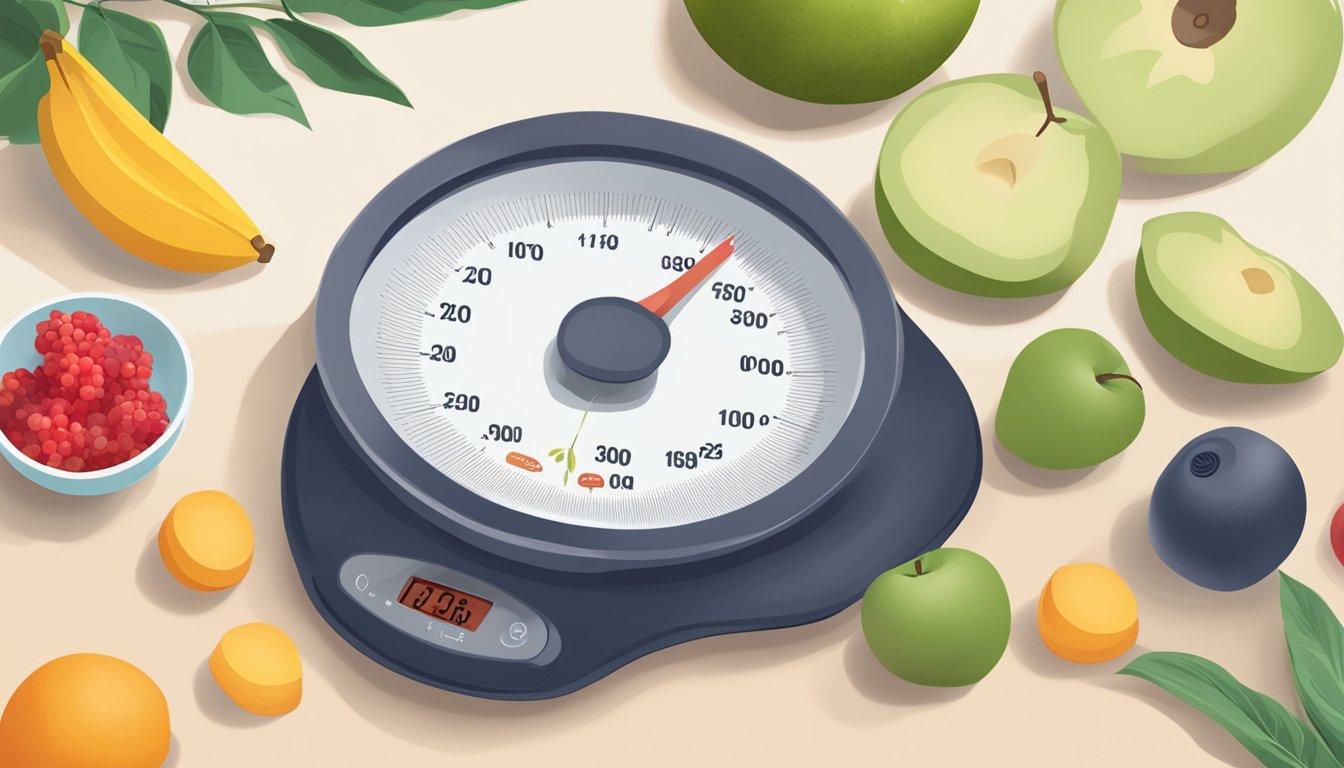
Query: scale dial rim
623	138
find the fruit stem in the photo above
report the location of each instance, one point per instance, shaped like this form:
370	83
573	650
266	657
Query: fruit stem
919	567
1105	377
264	249
51	44
1044	88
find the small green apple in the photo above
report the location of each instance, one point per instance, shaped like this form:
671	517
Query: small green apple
983	187
942	619
1069	402
834	51
1228	309
1200	86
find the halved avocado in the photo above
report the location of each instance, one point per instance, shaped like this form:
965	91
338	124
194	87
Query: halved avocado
1228	309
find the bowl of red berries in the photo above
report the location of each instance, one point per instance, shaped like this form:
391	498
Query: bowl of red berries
94	389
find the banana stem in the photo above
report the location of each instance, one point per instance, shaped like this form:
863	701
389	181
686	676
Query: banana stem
51	44
264	249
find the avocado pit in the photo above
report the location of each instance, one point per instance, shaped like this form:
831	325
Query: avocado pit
1202	23
1258	280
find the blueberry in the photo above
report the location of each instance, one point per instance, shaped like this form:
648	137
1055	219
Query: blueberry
1228	510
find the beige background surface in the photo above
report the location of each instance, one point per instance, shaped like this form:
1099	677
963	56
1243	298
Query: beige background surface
808	695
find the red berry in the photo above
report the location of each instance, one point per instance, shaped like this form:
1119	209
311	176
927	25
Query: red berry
88	405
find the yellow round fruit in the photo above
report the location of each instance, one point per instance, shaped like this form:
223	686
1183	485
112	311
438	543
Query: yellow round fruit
258	666
85	711
1087	614
206	541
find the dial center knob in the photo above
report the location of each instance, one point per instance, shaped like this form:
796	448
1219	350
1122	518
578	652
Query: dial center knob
613	339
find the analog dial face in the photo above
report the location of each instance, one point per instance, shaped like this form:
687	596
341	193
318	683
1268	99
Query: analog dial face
454	329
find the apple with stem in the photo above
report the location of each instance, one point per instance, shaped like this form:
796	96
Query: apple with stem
942	619
1200	86
985	187
1069	402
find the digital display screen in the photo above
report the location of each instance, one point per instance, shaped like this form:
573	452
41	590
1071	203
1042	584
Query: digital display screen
445	603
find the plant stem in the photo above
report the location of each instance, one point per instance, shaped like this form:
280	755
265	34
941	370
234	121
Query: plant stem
919	567
276	6
194	9
78	4
284	6
1044	88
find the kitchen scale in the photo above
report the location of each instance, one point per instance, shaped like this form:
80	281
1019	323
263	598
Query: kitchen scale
593	384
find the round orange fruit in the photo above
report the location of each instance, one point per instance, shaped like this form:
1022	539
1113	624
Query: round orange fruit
206	541
85	711
1087	614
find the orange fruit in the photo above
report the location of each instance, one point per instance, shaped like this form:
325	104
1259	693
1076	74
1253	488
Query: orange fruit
258	666
85	711
206	541
1087	614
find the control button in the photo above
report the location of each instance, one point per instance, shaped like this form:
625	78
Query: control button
362	582
514	636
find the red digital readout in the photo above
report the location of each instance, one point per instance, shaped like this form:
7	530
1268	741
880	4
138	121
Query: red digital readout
445	603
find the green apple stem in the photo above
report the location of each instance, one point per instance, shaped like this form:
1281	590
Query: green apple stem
919	567
1105	377
1044	88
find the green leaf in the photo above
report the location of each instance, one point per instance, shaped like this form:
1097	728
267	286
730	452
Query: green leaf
20	91
18	37
227	64
23	69
131	53
1262	725
49	14
331	61
555	452
375	13
1316	648
570	462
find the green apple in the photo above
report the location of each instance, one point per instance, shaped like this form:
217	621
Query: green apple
834	51
942	619
1069	402
1200	86
983	187
1228	309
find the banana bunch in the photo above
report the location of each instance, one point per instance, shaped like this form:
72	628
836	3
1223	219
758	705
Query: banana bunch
138	189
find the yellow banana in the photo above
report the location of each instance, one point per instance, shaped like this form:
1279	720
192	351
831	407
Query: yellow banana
134	185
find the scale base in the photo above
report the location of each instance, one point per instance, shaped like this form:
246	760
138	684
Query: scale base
918	484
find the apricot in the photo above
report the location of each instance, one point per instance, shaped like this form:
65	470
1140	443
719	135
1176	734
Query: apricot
1087	614
258	666
206	541
85	711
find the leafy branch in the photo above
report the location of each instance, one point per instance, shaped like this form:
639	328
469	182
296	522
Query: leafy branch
225	59
1275	736
567	455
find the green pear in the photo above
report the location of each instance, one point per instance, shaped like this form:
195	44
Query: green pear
942	619
1069	402
834	51
1228	309
985	188
1200	86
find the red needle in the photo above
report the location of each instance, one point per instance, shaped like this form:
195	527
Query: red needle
661	302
